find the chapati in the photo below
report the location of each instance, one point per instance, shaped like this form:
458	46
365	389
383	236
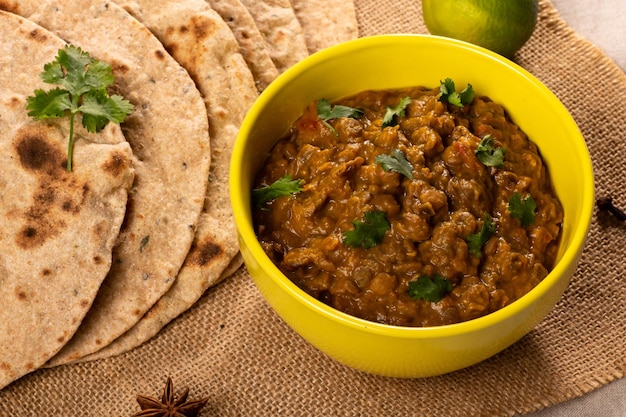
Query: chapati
57	227
201	42
326	22
168	133
252	45
281	31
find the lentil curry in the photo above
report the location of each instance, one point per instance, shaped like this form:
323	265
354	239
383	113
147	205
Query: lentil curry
451	244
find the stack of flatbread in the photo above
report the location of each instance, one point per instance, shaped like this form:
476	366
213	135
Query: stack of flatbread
96	261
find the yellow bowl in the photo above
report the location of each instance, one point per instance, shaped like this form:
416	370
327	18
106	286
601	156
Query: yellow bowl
392	61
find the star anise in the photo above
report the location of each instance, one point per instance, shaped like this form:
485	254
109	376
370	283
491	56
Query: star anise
169	405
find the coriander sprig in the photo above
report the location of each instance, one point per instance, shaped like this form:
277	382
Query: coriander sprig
326	112
476	241
369	232
428	288
489	154
396	162
447	92
396	111
283	186
83	83
522	209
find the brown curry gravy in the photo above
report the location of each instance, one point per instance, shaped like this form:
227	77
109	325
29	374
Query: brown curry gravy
431	216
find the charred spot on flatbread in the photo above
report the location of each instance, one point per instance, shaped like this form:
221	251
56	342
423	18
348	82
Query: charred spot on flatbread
159	54
9	6
202	28
58	195
15	102
116	165
38	35
201	253
36	152
198	28
21	294
118	67
193	32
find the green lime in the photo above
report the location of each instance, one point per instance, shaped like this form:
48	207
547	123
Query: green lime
502	26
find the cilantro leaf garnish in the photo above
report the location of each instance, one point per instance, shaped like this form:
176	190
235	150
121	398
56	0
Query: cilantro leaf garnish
522	209
52	104
488	153
396	162
447	92
476	241
396	111
429	289
83	82
467	94
367	233
281	187
326	112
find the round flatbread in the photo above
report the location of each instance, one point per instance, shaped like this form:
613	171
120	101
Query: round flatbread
57	228
168	133
281	30
251	43
201	42
326	22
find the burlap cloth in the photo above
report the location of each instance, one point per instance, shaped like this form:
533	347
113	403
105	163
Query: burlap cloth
232	348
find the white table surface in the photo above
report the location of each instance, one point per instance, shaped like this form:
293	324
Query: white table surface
602	22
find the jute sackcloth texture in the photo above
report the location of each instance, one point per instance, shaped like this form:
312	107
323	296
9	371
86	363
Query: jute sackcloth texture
232	348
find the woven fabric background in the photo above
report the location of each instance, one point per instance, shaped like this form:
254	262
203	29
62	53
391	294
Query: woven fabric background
232	348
